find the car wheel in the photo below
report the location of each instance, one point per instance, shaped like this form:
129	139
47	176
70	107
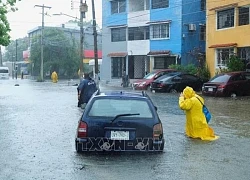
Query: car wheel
173	91
233	95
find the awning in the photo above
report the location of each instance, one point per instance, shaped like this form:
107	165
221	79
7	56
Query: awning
159	22
159	53
223	7
223	45
118	26
118	54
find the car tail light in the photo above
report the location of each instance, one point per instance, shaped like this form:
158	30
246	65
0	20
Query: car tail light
82	130
157	131
221	87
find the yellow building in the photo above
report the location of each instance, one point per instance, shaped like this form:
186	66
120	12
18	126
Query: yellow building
228	32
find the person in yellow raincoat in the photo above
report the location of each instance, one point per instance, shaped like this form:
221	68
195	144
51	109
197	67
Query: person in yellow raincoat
54	77
196	124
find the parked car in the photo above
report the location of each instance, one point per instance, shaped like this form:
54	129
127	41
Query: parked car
176	82
228	84
143	84
119	121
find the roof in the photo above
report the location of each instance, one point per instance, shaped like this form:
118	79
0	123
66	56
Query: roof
123	93
159	53
118	54
89	54
223	45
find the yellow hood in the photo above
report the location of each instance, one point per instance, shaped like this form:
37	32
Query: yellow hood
188	92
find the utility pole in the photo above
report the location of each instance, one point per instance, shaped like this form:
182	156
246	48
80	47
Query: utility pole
95	44
41	70
83	10
16	61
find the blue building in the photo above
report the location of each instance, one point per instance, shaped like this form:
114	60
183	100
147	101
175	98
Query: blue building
142	35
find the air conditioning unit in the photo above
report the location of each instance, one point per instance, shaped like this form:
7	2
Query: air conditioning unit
191	27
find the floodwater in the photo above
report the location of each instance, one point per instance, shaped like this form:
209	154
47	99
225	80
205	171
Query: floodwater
38	124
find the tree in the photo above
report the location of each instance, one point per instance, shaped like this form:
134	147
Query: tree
5	7
61	53
22	45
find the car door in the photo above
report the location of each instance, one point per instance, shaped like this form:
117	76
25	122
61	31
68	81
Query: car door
237	84
246	85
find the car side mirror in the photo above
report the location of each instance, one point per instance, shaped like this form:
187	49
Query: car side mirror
156	108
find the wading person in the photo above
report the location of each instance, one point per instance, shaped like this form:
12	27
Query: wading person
54	77
85	90
196	124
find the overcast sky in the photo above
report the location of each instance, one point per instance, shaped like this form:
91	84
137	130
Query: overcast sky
28	17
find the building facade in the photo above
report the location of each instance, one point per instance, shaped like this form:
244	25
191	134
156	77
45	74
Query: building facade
228	32
143	35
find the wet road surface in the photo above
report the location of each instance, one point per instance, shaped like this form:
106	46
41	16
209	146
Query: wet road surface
37	131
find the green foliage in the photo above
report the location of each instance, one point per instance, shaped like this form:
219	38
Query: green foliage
190	68
5	7
202	72
61	53
22	45
235	64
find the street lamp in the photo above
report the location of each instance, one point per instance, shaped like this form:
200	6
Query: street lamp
60	14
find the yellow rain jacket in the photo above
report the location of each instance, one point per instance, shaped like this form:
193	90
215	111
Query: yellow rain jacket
196	124
54	77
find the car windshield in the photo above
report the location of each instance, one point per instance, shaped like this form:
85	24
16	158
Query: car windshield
220	79
114	107
150	75
4	71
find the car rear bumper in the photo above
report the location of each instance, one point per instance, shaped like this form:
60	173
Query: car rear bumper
104	144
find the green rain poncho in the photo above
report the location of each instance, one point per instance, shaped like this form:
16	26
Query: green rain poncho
196	124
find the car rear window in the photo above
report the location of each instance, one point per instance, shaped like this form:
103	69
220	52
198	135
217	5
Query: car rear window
221	79
113	107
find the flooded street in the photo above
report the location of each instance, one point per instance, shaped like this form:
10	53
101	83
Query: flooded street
37	131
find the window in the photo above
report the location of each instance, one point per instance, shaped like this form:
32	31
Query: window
244	53
164	62
156	4
244	16
203	5
118	34
138	5
112	107
160	31
138	33
223	56
202	33
225	18
118	6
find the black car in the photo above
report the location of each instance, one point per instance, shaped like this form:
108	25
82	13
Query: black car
176	82
119	121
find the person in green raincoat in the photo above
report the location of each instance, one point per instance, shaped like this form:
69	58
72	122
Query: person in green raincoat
196	124
54	77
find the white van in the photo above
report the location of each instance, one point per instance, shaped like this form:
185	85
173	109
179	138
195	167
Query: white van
4	73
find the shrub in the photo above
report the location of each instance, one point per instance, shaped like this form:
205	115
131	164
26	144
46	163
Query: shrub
235	64
190	68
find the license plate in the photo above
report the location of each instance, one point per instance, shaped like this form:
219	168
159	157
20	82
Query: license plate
210	89
119	135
